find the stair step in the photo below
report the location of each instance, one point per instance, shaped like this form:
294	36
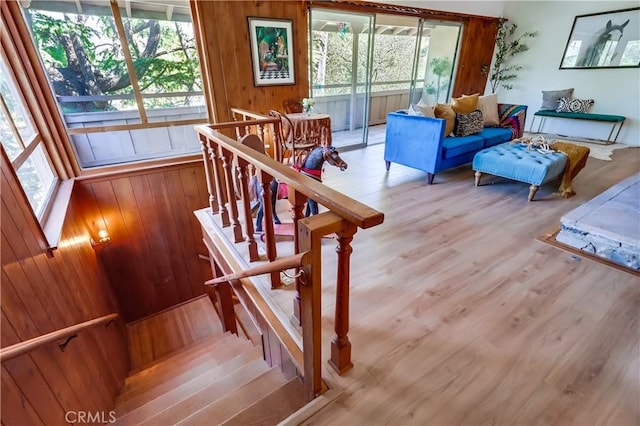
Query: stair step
156	386
170	330
249	376
186	390
234	402
194	347
274	407
182	360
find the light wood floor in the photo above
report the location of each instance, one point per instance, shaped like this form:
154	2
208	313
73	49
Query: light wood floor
460	316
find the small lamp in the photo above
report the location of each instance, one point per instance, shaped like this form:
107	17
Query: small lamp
103	238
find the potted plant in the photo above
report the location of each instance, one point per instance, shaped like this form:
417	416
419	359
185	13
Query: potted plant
507	46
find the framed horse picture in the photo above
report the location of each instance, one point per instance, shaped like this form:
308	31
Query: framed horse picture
604	40
271	51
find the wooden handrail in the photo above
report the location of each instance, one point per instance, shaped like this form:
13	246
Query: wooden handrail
247	114
351	210
295	261
37	342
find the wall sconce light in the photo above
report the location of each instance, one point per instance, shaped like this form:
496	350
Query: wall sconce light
103	238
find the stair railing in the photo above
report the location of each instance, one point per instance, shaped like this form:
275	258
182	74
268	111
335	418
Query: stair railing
345	215
62	337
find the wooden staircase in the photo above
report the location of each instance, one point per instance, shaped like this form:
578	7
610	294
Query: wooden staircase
220	379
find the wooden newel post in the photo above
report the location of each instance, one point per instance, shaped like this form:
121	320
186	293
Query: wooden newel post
225	302
340	345
297	201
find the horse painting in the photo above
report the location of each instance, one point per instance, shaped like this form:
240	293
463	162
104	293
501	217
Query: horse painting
595	47
312	167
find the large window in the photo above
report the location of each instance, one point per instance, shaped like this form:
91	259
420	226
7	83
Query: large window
126	79
23	144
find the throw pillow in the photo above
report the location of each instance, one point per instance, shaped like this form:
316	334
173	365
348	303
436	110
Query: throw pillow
550	98
574	105
469	124
488	105
446	112
421	111
465	104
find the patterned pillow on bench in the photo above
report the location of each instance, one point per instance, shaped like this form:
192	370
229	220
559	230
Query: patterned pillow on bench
574	105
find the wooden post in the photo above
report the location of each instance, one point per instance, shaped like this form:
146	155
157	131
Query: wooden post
225	302
217	175
243	176
225	156
270	238
204	143
340	345
311	230
297	201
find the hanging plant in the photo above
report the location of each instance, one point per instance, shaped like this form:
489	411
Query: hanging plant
506	48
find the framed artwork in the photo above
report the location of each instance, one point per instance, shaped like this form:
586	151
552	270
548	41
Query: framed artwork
271	51
604	40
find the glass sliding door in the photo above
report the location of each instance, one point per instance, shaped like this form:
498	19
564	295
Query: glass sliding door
438	45
340	60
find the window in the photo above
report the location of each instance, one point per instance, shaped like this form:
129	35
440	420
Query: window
126	79
23	144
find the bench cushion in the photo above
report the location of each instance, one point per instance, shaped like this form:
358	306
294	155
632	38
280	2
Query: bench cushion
514	161
582	116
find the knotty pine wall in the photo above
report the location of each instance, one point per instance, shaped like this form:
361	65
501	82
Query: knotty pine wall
41	294
152	260
223	32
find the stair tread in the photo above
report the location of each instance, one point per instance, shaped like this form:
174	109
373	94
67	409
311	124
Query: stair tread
187	389
234	402
246	376
274	407
178	362
187	350
172	329
155	386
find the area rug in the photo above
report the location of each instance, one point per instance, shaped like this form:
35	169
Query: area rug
599	151
549	237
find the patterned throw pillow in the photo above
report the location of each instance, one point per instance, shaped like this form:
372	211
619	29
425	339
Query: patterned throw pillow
468	124
574	105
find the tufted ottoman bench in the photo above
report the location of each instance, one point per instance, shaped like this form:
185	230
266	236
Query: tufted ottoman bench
514	161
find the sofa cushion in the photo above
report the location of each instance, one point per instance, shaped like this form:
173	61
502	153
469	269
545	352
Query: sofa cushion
421	111
468	124
488	104
495	135
465	103
454	147
445	112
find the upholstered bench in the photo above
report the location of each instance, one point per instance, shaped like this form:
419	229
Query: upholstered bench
616	121
516	162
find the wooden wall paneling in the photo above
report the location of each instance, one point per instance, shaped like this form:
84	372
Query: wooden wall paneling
21	412
476	52
153	230
166	198
127	272
178	197
44	359
20	301
227	48
23	370
195	190
255	97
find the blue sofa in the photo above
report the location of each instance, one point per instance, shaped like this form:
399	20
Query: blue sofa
420	143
